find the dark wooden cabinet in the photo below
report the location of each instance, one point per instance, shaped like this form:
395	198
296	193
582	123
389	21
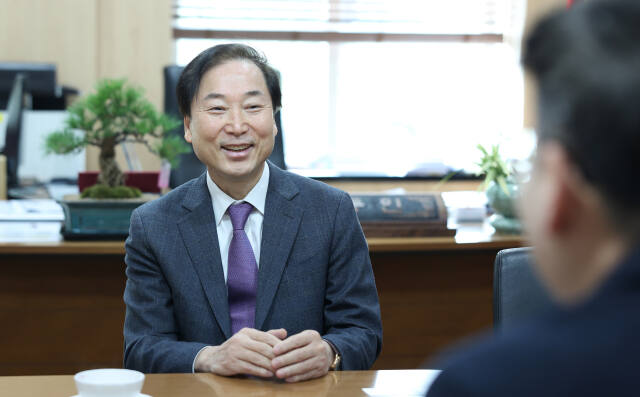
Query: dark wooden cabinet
61	305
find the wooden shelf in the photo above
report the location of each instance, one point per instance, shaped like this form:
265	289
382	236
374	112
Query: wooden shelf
64	248
468	237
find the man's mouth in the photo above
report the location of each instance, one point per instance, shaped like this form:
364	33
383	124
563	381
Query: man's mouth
236	148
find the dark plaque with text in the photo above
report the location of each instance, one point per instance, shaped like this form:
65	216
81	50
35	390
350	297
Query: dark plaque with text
402	215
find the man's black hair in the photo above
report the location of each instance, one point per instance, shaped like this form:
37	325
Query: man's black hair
586	62
189	80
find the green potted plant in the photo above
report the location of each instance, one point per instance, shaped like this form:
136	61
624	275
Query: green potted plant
114	114
501	190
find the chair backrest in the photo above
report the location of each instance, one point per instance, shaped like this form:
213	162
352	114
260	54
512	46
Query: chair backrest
190	167
517	291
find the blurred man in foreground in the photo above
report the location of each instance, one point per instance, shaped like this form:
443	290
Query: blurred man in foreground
582	210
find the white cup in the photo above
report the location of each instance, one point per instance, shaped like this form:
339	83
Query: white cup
109	382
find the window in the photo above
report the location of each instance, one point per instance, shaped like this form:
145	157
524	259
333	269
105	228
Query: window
375	87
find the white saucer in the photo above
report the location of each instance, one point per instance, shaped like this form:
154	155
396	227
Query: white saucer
139	395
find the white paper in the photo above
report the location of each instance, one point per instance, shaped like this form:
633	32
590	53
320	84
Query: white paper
402	384
30	210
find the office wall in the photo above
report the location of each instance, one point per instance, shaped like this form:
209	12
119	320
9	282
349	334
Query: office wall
62	32
93	39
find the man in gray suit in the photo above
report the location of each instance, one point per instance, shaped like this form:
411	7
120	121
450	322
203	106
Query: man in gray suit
290	294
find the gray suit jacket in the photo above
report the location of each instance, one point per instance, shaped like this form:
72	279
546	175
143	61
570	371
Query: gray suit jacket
314	273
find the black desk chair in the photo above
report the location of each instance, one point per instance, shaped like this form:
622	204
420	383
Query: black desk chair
190	167
517	291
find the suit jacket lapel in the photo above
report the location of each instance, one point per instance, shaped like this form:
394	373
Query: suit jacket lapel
199	234
279	229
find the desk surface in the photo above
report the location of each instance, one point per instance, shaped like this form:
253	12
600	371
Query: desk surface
347	383
468	237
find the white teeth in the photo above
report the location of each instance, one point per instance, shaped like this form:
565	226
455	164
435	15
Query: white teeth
237	148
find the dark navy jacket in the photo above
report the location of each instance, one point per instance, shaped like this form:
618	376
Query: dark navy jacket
589	350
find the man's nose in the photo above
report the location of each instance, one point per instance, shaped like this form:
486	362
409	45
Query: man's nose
236	122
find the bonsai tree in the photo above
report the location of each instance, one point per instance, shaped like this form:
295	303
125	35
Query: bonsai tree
115	113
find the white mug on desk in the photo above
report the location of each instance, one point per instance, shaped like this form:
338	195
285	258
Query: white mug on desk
3	177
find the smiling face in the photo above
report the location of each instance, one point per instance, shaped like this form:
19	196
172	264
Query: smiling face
231	126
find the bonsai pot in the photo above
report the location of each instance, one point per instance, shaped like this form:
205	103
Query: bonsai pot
147	181
95	219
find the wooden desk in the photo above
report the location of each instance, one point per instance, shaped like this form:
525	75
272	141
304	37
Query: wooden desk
471	236
62	311
348	383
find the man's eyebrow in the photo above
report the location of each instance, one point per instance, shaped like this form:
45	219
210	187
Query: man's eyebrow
254	93
215	95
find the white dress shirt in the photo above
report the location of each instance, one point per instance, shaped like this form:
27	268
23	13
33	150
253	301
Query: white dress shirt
221	202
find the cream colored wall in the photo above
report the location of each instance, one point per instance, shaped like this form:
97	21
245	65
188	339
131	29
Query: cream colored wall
136	42
93	39
61	32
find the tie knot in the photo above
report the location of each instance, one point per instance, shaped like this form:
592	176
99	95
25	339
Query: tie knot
239	214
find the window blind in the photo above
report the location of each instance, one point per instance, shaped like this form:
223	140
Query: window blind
351	19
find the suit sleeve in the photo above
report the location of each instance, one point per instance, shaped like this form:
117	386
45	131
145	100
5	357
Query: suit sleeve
352	312
150	331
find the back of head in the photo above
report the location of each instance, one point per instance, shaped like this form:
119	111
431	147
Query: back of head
586	61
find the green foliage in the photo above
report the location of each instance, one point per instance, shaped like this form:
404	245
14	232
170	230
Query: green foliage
63	142
115	110
494	168
169	149
107	192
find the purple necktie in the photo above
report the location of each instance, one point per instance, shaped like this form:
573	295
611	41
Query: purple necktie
242	273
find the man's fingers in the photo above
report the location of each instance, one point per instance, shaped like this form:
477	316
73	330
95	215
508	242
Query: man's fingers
279	333
258	347
292	357
302	370
250	359
257	341
294	342
261	336
302	356
251	368
245	353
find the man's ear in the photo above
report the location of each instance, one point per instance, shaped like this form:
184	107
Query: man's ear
187	129
275	126
565	203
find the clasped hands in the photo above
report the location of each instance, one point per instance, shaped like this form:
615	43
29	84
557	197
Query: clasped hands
266	354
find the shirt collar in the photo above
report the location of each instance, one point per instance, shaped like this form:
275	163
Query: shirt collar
256	197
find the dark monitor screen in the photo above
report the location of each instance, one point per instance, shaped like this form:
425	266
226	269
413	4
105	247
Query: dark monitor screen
40	79
11	144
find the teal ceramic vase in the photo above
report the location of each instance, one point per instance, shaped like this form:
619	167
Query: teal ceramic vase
504	219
